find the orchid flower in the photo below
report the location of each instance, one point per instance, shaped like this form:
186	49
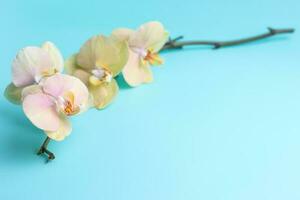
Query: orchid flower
30	66
49	104
48	98
99	60
144	45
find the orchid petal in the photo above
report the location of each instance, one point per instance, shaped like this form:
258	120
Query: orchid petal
71	64
103	52
93	80
30	64
151	35
41	111
123	33
136	72
63	131
60	84
102	95
55	55
32	89
82	75
13	93
73	69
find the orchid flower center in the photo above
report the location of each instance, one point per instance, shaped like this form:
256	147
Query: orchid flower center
100	75
44	74
140	51
66	105
148	55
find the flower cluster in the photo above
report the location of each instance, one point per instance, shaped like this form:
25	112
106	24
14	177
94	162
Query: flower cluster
126	51
49	97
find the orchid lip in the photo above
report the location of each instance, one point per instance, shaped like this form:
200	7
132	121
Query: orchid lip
102	74
37	79
147	55
66	106
140	51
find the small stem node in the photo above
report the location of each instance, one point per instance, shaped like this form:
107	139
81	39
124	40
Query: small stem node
272	31
44	150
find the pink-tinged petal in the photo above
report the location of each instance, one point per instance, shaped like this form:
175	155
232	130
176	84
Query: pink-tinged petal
136	72
61	84
63	131
41	111
55	55
122	33
151	35
29	65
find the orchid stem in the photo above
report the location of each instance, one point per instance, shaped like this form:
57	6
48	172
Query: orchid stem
44	150
175	44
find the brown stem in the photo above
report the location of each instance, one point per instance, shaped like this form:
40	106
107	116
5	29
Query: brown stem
175	44
44	150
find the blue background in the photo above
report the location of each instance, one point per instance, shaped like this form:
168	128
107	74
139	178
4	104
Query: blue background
219	125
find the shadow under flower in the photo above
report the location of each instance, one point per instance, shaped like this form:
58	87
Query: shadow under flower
20	140
122	83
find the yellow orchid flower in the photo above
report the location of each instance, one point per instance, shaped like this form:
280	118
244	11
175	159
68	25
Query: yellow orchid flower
99	60
144	45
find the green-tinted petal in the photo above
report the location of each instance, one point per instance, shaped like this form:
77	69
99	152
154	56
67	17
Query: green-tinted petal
82	75
101	51
72	68
102	95
118	57
71	65
13	93
32	89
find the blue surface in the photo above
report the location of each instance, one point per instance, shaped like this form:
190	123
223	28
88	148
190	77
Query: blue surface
218	125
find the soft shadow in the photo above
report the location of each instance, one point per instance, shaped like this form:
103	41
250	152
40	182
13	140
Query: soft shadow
122	83
20	140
